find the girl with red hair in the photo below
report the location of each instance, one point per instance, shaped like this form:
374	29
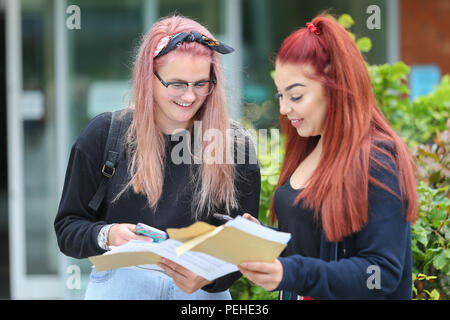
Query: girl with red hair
346	191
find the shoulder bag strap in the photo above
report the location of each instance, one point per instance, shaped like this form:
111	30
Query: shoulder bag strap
115	145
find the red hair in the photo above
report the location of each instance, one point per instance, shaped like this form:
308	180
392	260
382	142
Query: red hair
338	189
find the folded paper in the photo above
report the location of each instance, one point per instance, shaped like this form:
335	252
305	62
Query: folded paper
209	251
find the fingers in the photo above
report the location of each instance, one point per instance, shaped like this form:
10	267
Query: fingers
133	236
256	271
261	279
129	226
123	232
174	268
248	216
260	267
185	279
175	272
141	238
266	274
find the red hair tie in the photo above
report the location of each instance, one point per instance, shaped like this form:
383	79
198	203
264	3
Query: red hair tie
313	28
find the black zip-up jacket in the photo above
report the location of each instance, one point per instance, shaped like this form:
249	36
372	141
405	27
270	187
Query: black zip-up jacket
77	226
374	263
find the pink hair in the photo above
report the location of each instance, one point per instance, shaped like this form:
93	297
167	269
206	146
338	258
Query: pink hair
214	185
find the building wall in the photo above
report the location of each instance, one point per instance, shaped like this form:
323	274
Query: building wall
425	32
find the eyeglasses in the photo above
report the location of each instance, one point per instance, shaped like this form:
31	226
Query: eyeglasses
176	89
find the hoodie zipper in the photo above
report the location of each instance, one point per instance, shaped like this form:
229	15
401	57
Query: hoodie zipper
336	251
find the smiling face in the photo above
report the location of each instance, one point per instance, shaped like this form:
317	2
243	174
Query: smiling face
178	113
302	100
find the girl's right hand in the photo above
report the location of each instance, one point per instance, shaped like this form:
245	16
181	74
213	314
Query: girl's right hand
248	216
121	233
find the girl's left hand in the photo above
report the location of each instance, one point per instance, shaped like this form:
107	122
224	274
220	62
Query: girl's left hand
265	274
185	279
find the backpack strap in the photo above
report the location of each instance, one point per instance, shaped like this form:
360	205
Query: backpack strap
115	146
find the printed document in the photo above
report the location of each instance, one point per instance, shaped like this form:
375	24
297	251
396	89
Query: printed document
206	250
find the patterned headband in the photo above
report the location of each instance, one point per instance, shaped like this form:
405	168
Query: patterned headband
172	42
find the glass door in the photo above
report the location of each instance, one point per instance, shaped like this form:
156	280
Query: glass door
31	150
96	67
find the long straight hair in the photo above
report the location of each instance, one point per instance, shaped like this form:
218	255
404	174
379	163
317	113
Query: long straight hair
214	183
338	188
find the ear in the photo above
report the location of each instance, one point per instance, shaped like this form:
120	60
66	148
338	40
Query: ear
327	69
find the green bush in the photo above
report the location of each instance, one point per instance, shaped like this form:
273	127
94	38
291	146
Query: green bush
418	120
270	168
431	233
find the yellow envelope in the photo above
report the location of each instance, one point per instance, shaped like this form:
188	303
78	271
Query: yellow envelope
123	259
194	230
226	243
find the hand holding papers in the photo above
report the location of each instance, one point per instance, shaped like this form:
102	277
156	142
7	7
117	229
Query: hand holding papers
236	241
209	251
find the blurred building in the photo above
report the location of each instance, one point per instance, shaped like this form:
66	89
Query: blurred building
54	77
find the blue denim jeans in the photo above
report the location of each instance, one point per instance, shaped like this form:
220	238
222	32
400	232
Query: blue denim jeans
136	283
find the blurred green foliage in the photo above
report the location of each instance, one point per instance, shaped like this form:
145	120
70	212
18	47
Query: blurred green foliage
418	120
431	234
364	44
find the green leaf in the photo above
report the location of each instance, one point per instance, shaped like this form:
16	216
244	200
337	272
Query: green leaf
440	261
435	294
273	180
447	254
418	255
346	20
400	70
364	44
352	35
428	154
437	216
421	236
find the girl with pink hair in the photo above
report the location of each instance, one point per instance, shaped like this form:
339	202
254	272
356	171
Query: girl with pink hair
178	93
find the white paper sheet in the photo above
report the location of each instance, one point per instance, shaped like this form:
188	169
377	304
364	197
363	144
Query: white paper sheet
259	230
202	264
